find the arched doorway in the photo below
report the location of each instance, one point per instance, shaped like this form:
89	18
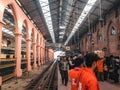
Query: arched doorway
41	57
23	49
37	51
8	43
32	39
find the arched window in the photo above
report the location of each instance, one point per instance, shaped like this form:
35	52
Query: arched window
23	29
113	32
100	37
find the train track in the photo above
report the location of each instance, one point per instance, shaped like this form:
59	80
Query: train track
45	80
52	84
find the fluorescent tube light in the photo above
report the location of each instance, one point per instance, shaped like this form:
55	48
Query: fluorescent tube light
47	15
81	18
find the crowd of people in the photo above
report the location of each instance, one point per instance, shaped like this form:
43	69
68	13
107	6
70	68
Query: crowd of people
84	72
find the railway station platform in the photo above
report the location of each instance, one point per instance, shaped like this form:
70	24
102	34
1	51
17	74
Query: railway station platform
106	85
21	83
33	31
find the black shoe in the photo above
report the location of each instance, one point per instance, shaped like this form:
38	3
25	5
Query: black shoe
65	84
116	81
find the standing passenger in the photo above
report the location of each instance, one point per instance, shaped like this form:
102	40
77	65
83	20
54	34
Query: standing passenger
70	61
87	76
74	74
116	68
105	72
58	58
64	67
60	65
100	69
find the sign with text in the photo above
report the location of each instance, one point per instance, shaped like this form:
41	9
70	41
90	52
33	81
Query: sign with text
67	48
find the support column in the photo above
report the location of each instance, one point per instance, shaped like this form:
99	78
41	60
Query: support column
38	49
44	55
28	51
18	38
34	54
41	55
47	56
1	25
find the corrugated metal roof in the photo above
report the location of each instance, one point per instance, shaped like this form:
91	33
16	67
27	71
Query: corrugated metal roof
65	13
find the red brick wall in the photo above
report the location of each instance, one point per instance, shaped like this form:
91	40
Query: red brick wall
108	40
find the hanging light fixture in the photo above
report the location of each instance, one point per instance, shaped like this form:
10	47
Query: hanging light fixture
100	18
89	32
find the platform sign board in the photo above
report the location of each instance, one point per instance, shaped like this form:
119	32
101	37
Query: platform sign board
67	48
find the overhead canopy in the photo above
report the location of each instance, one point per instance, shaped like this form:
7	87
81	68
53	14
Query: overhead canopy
64	15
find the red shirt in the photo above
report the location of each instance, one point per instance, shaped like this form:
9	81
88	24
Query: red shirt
88	79
74	78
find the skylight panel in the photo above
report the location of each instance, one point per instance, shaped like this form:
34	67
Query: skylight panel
81	18
62	27
43	2
47	15
62	32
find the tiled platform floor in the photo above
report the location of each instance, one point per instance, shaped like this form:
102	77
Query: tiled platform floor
103	85
60	85
22	83
109	86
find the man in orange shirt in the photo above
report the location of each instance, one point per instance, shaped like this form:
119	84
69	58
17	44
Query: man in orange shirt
100	69
87	77
75	73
